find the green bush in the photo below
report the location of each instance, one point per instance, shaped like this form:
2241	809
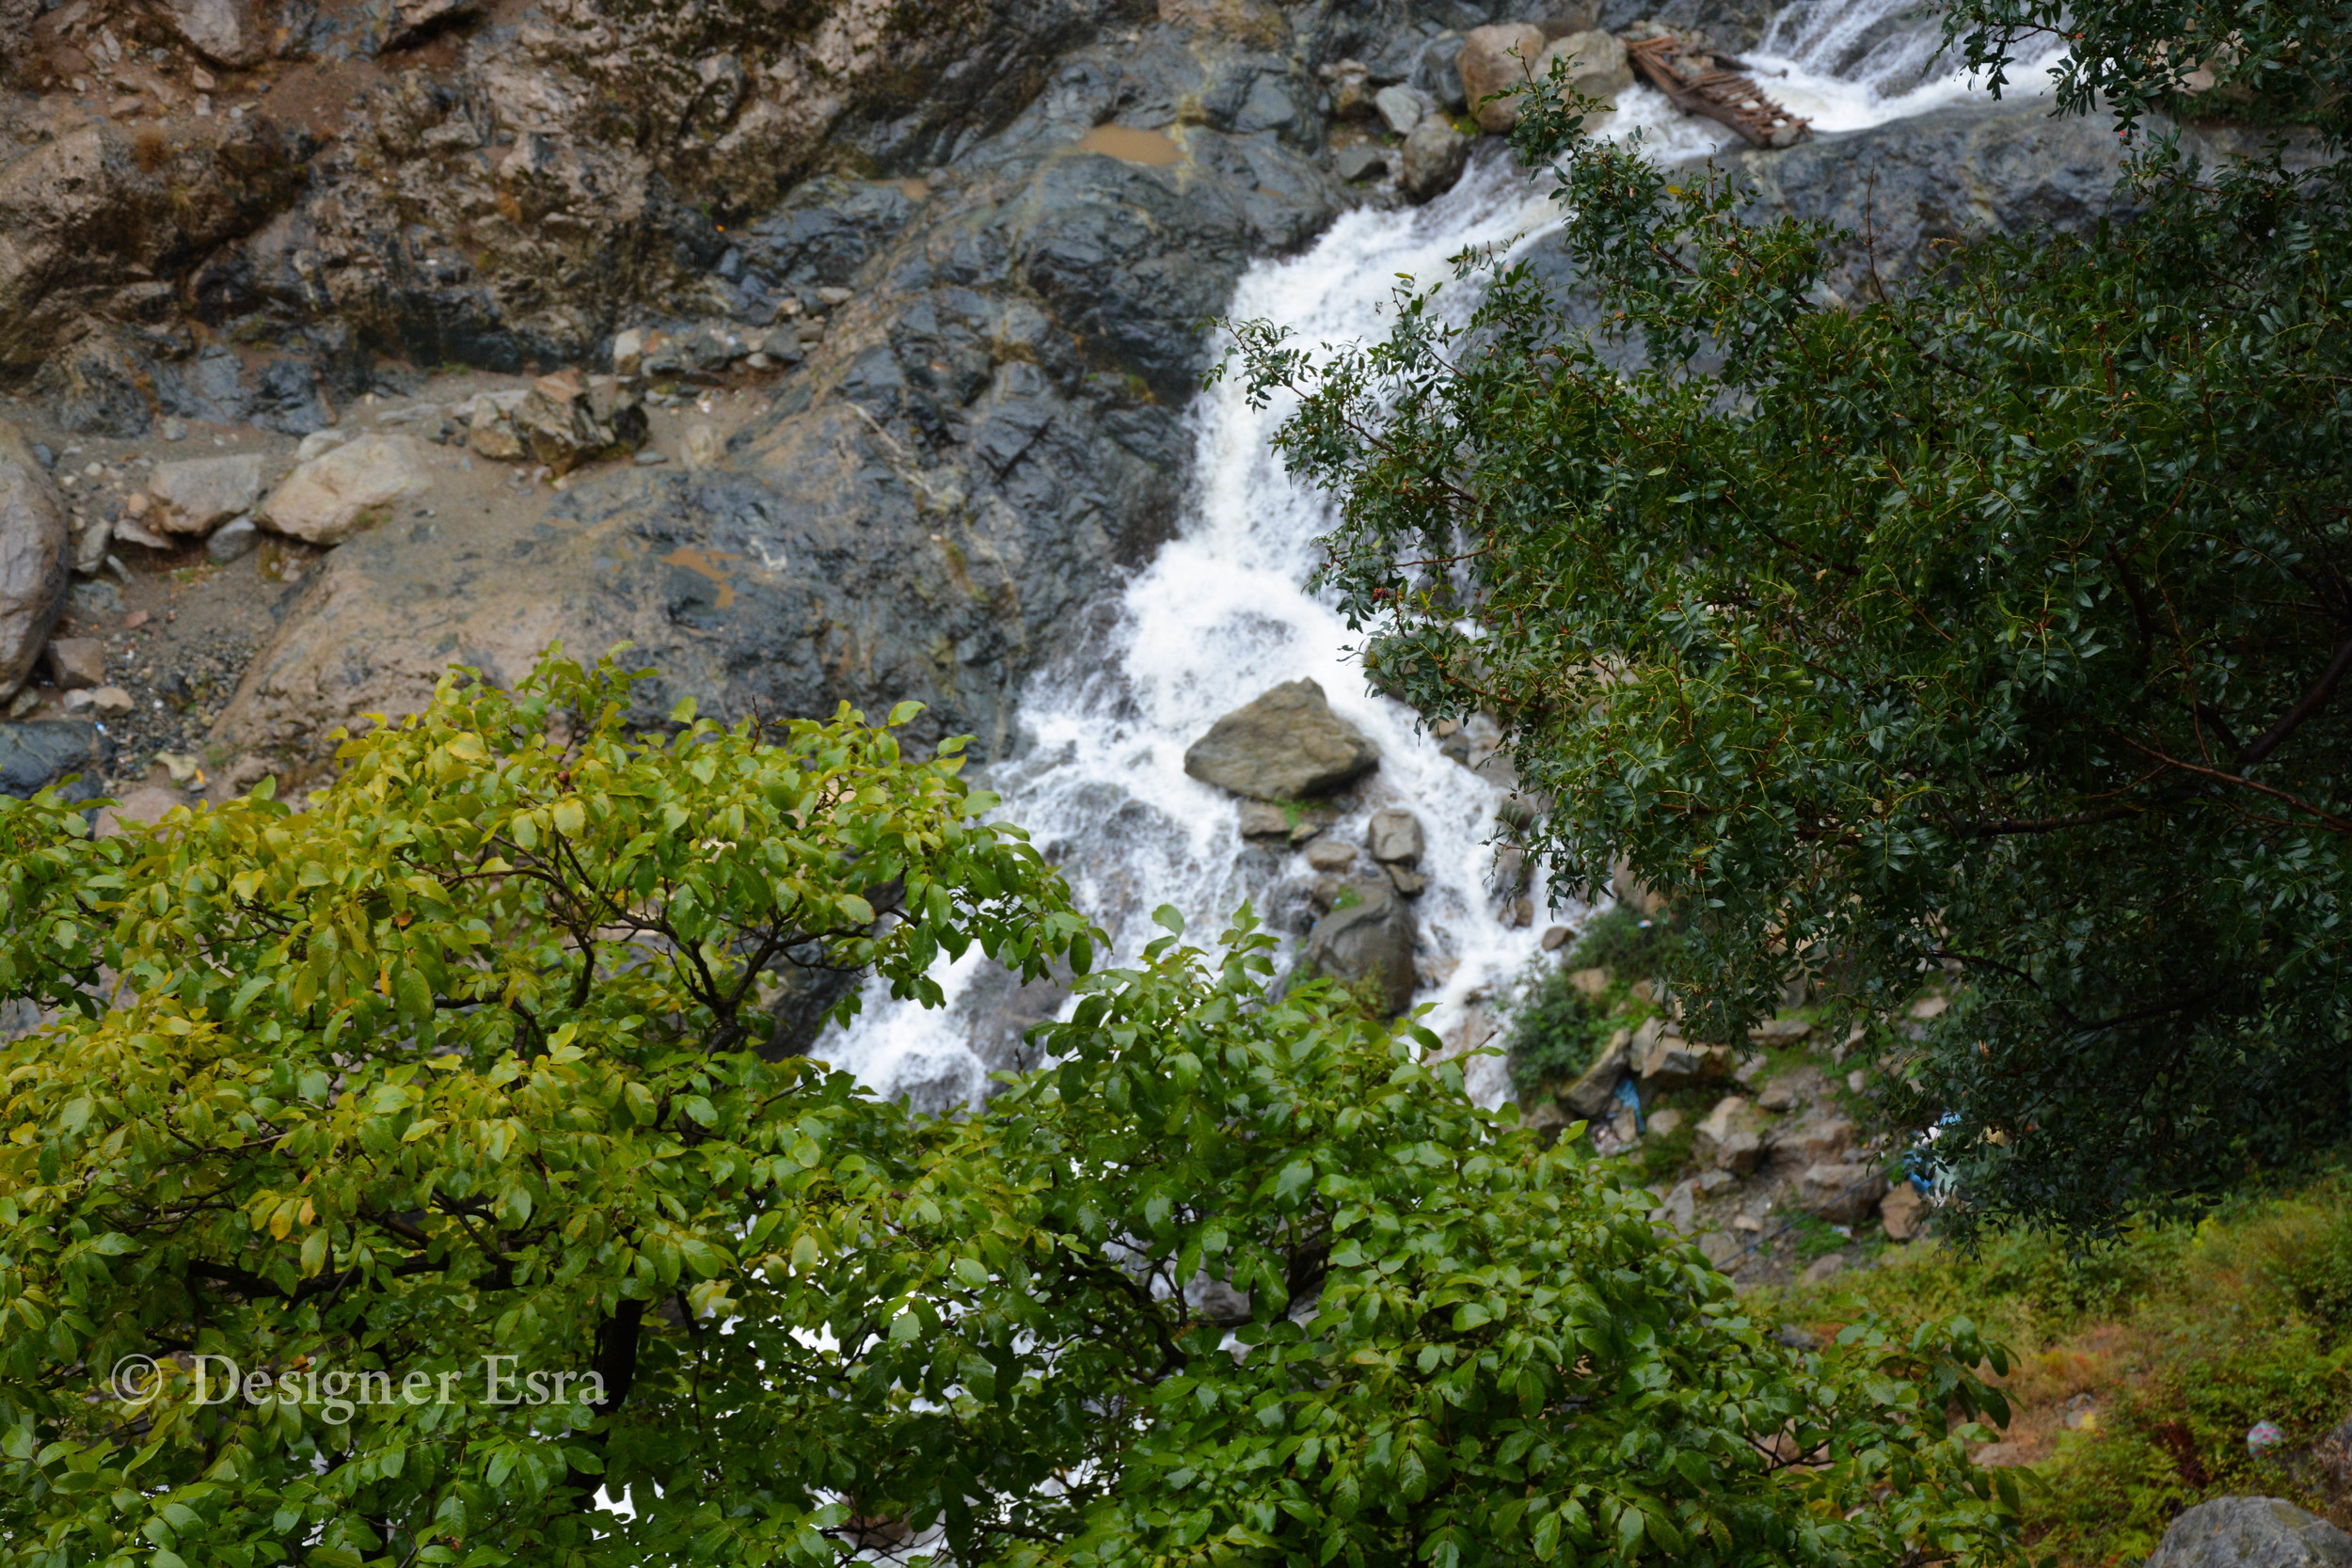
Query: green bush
1556	1032
1627	945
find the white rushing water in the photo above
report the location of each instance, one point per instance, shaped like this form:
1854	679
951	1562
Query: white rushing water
1222	613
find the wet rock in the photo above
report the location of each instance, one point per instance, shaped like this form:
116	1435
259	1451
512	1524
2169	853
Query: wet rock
327	499
16	43
701	447
1359	163
1287	745
1594	1094
1395	836
1366	943
1401	108
43	752
1329	854
560	424
234	539
988	434
2252	1533
226	32
1492	60
1261	820
95	228
199	494
1434	156
1555	937
33	545
1595	63
76	663
414	20
1439	70
1840	1194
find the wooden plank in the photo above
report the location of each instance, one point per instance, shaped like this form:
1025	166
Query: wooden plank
1723	96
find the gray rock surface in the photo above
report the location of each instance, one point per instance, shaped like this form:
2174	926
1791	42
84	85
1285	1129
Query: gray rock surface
1286	745
199	494
226	32
1366	942
986	437
1434	156
2252	1533
40	752
1395	835
34	542
1594	1094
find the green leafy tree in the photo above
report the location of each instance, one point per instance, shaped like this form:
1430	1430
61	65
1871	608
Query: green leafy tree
1996	623
414	1102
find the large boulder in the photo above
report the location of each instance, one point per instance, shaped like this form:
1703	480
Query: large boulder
1366	943
199	494
1434	156
2252	1533
33	542
1841	1193
226	32
1287	745
1493	59
1596	64
1594	1094
36	754
335	495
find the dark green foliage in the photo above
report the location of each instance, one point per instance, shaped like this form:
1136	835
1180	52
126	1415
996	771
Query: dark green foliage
1630	945
2001	622
2182	1335
1556	1031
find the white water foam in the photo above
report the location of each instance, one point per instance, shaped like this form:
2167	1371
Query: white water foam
1222	613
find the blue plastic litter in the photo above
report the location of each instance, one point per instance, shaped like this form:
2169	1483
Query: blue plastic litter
1630	1097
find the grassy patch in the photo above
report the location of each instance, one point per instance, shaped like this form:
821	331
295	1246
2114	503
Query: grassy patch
2140	1365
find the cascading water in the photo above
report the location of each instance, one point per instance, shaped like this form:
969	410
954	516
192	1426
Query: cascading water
1223	613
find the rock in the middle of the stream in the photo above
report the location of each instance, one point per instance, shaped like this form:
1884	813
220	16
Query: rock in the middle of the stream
1288	745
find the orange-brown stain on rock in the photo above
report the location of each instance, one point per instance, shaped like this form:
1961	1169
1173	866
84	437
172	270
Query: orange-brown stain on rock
1155	148
705	563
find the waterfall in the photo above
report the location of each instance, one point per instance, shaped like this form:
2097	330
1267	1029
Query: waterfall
1222	613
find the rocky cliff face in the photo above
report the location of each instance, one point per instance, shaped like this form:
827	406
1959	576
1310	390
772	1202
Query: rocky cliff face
945	261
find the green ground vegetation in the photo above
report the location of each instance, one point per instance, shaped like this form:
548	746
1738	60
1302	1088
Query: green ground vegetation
2140	1365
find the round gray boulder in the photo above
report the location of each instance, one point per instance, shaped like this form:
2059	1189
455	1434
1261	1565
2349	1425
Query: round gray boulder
1287	745
1366	943
2252	1533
